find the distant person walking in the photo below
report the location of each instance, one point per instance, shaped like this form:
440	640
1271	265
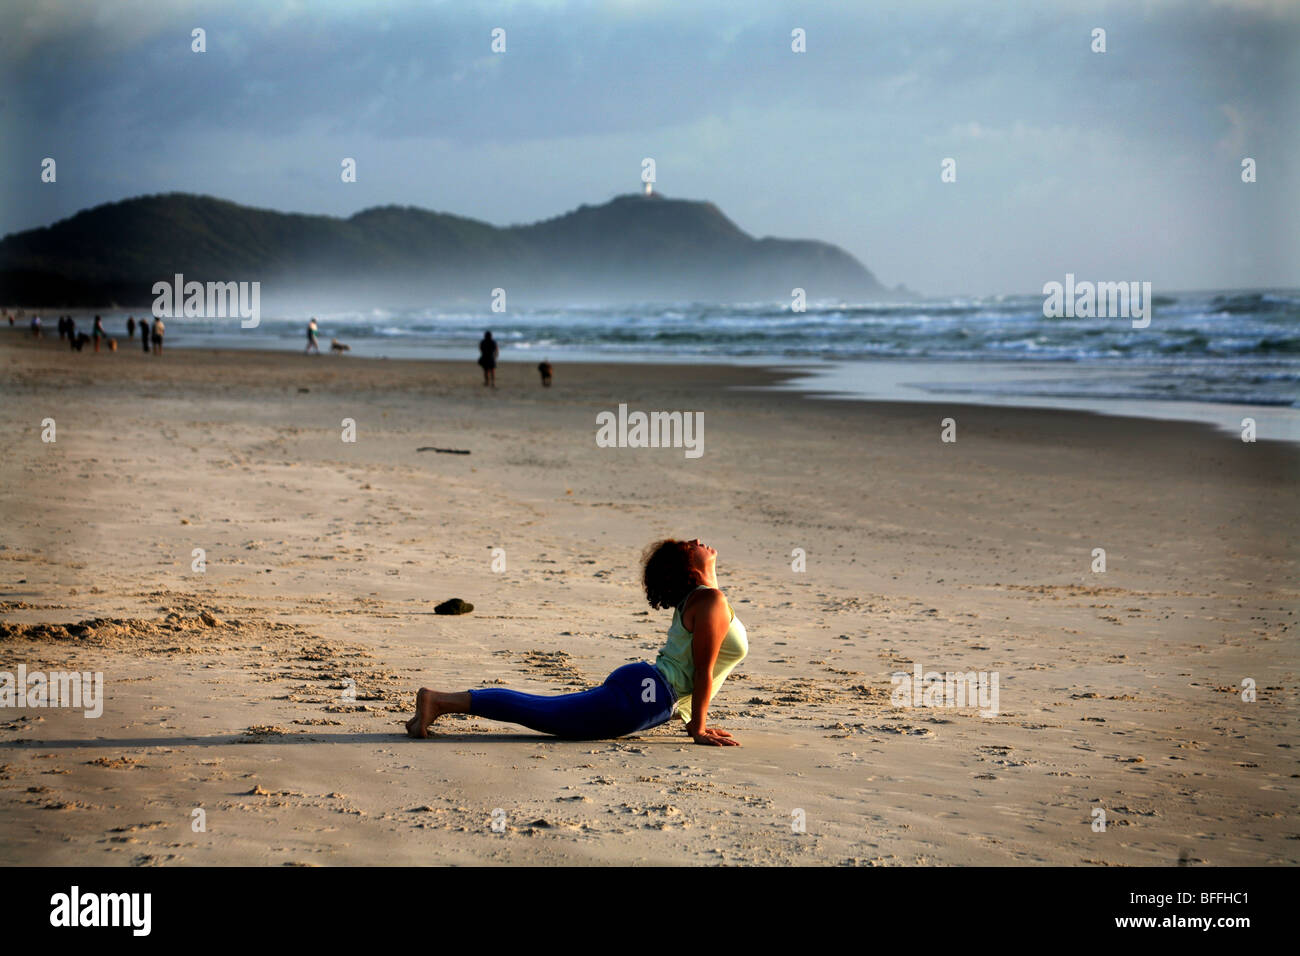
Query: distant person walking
312	344
97	331
158	329
544	367
144	335
36	326
130	326
487	358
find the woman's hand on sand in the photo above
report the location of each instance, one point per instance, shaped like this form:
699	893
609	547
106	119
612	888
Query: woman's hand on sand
713	737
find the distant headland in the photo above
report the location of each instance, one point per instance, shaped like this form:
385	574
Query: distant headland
636	247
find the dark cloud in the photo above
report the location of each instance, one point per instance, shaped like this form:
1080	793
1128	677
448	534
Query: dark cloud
841	143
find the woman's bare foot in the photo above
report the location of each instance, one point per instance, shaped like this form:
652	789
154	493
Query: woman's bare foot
426	712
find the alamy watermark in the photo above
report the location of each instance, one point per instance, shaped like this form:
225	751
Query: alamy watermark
210	300
1103	300
651	430
130	910
53	689
950	689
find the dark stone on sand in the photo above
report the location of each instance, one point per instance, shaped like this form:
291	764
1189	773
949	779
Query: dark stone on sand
454	606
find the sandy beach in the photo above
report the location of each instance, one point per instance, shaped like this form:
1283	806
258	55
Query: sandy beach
228	690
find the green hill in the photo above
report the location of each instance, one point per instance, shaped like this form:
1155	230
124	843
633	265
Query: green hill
631	248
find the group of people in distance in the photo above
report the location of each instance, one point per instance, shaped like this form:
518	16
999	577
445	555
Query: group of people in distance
156	333
487	360
148	333
150	337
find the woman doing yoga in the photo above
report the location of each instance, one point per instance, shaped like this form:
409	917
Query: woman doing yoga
705	638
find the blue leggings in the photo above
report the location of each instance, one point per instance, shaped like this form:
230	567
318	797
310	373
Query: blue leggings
633	698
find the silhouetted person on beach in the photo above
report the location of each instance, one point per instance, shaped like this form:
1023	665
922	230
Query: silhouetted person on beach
36	326
130	326
158	329
312	344
144	335
545	368
487	357
97	331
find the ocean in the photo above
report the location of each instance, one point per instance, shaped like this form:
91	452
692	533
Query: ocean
1214	356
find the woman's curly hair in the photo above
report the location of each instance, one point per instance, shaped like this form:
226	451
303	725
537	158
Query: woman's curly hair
667	577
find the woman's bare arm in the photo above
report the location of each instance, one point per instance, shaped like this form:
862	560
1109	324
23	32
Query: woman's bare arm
708	627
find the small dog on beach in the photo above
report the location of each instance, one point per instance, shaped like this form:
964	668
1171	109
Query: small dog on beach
545	369
337	346
79	342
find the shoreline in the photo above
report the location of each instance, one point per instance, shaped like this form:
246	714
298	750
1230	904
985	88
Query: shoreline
809	380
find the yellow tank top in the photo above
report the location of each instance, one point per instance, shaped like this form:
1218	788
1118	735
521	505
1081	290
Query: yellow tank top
676	661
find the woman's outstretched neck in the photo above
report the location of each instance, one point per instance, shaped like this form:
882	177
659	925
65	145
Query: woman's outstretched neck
708	581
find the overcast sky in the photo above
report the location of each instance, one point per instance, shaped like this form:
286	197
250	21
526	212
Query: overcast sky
1114	166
